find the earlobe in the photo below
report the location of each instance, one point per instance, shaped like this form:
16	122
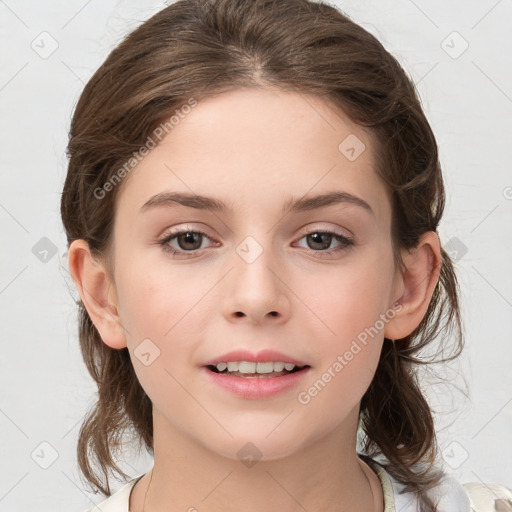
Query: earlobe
419	279
97	293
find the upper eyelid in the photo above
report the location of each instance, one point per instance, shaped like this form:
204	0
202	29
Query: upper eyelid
303	233
302	230
179	231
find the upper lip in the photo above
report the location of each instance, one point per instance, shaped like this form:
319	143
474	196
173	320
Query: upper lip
262	356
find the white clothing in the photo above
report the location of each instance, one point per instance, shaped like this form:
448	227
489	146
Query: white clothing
452	496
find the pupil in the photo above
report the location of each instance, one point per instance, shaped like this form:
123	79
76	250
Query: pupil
323	245
189	238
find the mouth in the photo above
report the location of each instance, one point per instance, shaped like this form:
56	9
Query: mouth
256	370
256	376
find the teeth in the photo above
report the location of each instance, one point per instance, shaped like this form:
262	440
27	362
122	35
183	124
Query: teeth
251	367
264	367
246	367
278	367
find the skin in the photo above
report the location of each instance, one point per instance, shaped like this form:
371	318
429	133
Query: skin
254	149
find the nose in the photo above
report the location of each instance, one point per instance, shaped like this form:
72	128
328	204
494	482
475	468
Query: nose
256	290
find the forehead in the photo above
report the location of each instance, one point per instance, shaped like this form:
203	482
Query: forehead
261	146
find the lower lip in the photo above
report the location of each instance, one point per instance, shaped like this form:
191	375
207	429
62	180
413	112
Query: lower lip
256	387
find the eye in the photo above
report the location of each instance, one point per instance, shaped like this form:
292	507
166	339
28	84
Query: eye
318	241
188	241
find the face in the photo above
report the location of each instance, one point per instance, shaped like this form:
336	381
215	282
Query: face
314	285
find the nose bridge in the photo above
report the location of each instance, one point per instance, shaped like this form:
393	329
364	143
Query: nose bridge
255	287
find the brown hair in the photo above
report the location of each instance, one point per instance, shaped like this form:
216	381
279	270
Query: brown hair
194	48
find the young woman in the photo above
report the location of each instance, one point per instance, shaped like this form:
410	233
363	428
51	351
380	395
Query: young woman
251	206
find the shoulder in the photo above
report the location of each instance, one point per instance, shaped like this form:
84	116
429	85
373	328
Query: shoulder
489	497
117	502
450	495
474	497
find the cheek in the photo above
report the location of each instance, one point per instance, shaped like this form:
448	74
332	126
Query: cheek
351	299
347	353
159	309
164	309
334	395
351	307
159	300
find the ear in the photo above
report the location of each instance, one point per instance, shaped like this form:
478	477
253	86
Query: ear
97	293
418	281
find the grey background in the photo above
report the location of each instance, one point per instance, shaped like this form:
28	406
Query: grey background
50	49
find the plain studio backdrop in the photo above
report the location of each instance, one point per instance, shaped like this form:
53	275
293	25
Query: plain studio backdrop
457	53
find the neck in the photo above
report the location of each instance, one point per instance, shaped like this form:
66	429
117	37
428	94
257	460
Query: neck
325	475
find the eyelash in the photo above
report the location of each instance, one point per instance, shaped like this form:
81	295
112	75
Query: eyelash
345	243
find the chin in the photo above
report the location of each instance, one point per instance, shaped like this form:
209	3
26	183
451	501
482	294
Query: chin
257	445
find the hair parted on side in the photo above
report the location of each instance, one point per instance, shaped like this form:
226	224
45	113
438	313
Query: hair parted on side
196	49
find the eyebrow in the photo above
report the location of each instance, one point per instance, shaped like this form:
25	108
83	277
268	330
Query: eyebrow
170	199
